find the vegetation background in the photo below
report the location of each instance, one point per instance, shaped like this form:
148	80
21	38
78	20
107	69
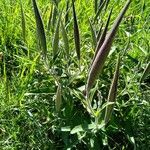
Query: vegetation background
44	107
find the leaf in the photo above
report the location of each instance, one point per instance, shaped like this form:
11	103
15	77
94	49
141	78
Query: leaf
65	129
65	38
55	12
56	38
76	31
93	35
99	32
107	2
85	127
50	19
95	6
67	13
23	22
40	29
99	10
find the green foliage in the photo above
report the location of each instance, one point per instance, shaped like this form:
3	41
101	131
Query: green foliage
45	107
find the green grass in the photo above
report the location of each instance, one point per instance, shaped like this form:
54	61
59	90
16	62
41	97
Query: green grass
30	113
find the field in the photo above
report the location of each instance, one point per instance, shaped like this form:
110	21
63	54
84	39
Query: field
74	75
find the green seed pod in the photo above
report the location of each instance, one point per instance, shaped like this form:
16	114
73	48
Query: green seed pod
112	93
40	29
58	100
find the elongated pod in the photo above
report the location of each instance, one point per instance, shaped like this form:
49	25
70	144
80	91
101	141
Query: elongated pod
112	93
76	31
103	52
40	29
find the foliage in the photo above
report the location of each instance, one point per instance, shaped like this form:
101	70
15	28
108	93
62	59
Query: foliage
47	49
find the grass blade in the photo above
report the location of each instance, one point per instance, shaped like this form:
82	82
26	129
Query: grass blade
55	12
67	13
40	29
99	10
112	93
76	32
99	32
65	38
56	39
146	72
50	19
93	35
95	6
107	2
102	54
23	22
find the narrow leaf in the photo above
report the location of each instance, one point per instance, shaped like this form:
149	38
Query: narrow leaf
76	32
67	13
65	38
95	6
99	32
112	93
23	22
93	35
56	39
99	10
40	29
50	19
107	2
102	54
55	12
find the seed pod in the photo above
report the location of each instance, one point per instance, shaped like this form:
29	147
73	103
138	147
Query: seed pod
112	93
40	29
58	100
102	54
102	38
76	31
